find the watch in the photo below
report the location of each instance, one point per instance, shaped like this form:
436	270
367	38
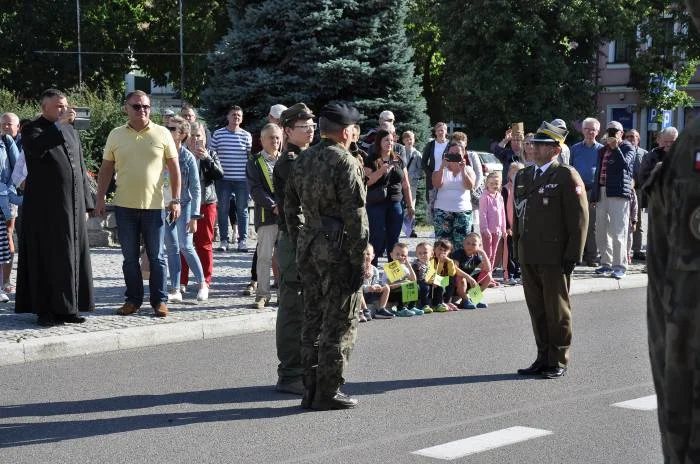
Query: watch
175	200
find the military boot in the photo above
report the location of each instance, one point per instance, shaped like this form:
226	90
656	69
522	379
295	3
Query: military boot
335	400
309	388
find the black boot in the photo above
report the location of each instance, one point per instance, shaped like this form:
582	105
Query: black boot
336	400
309	387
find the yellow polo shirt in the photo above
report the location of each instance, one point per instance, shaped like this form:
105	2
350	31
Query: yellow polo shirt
139	158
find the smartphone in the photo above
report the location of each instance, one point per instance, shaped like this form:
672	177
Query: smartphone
196	144
612	132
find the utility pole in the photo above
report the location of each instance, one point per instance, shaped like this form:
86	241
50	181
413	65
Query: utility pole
182	57
80	58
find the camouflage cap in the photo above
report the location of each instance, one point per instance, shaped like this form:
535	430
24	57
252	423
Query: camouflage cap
340	113
294	113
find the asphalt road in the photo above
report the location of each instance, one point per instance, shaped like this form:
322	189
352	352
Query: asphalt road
422	382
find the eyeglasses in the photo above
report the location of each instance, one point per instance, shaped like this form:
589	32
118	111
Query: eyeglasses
138	107
306	127
172	129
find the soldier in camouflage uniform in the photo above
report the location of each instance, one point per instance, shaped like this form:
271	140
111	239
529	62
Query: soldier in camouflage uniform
328	183
673	294
298	125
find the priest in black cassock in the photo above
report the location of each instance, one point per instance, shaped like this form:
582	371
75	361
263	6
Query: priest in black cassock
54	274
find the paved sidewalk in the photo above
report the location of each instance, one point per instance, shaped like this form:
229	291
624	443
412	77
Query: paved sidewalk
226	312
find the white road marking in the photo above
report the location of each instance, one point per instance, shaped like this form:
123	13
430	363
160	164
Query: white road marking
476	444
645	403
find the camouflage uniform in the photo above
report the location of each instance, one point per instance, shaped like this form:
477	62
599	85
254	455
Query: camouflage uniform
673	295
327	181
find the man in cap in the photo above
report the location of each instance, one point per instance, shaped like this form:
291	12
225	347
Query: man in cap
327	182
673	304
298	125
189	114
565	154
167	114
549	234
611	193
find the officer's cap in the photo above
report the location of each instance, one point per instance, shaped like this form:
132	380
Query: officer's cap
294	113
340	113
548	133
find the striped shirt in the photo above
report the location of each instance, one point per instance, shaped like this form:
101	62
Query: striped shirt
233	149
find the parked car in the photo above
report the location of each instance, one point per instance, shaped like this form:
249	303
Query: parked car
489	163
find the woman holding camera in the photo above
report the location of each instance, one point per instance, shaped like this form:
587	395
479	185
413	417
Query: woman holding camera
387	186
453	207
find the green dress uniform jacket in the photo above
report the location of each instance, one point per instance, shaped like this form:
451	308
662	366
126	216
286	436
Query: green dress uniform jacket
549	233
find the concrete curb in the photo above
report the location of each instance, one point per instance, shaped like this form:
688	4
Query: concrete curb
62	346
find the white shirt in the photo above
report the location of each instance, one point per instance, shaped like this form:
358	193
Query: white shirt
543	168
438	152
452	196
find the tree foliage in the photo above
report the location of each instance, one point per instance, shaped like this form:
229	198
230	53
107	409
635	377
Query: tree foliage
425	36
283	51
40	42
668	47
509	61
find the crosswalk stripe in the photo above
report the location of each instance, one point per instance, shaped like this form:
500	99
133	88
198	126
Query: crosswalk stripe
478	443
645	403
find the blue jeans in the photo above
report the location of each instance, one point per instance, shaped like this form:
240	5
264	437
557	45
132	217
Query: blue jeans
385	221
131	225
177	241
239	190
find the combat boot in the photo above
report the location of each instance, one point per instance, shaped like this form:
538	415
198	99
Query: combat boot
335	400
309	388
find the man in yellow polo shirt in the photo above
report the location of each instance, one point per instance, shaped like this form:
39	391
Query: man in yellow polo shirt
138	152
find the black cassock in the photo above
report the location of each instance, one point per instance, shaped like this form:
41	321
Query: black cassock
54	274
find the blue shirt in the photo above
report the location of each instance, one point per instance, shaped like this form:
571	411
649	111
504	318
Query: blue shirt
585	160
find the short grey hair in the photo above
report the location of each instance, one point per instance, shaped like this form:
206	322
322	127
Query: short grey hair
591	120
670	130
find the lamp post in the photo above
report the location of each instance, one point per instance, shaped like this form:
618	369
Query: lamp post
80	58
182	57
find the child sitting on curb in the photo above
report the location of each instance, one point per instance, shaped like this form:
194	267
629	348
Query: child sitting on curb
444	267
473	261
374	294
420	265
400	255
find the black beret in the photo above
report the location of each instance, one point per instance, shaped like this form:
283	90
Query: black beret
340	113
294	113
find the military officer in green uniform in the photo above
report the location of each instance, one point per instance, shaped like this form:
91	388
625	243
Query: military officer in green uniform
673	293
298	125
549	233
331	233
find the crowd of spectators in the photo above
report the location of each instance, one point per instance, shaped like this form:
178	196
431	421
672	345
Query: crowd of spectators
219	172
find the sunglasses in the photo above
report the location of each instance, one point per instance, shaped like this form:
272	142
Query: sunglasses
172	129
138	107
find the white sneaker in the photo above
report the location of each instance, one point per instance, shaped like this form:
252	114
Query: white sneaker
3	297
175	297
203	293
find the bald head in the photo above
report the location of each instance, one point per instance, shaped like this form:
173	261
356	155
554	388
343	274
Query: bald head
9	124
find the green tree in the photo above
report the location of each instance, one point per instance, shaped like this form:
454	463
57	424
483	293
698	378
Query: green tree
39	46
510	61
283	51
204	23
667	49
424	35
